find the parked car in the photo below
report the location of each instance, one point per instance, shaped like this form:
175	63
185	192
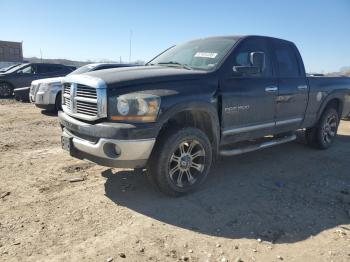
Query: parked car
23	75
46	93
208	97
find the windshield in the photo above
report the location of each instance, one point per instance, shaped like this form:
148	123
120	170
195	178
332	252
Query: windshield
83	69
203	54
11	70
8	68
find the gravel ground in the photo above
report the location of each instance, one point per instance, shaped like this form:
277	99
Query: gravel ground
289	203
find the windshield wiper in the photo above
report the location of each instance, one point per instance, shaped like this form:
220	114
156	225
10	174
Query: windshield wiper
176	64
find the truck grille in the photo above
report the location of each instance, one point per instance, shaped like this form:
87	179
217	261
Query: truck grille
33	90
86	91
84	101
66	96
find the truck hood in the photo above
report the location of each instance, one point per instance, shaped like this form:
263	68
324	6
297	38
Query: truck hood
50	80
135	75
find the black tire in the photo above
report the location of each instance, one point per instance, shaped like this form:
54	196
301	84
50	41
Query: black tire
58	105
185	153
322	135
6	90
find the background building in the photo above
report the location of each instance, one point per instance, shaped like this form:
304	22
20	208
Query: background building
10	52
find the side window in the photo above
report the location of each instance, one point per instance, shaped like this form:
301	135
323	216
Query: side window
28	70
104	67
44	69
286	60
241	56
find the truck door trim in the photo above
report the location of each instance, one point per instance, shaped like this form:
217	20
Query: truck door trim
289	121
247	129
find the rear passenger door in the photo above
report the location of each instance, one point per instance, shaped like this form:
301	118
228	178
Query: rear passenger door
292	86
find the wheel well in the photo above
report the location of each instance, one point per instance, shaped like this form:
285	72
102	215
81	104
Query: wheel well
5	82
336	104
192	118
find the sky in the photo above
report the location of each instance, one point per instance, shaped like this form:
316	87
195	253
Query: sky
100	29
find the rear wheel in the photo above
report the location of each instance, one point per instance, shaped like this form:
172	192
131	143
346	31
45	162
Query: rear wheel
181	161
6	90
322	135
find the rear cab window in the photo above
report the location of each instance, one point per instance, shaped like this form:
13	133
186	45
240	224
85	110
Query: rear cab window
286	59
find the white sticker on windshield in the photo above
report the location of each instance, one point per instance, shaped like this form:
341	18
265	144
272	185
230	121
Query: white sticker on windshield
205	55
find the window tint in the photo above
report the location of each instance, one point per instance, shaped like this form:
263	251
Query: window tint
105	67
28	70
286	59
241	56
42	69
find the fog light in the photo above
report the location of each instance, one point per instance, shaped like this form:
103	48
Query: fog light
111	150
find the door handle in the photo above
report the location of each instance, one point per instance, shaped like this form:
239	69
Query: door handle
271	89
302	87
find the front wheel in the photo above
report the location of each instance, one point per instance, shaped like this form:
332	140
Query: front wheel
181	160
323	134
6	90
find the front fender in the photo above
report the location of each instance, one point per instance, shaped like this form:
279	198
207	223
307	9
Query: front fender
209	107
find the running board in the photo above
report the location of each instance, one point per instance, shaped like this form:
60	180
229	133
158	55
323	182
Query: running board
250	148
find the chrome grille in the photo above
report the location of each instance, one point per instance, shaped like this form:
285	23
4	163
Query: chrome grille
84	101
33	90
86	91
87	108
66	96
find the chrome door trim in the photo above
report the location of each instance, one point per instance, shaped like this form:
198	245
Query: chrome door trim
247	128
302	87
288	121
271	89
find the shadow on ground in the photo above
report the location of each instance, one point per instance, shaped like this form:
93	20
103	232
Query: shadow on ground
283	194
49	113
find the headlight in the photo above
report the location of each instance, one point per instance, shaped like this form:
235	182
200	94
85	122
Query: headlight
43	87
137	107
123	106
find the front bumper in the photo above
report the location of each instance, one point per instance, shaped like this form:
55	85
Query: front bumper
95	143
22	94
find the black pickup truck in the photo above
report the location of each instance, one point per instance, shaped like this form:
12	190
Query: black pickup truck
195	101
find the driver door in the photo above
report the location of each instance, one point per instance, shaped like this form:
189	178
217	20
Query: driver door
248	101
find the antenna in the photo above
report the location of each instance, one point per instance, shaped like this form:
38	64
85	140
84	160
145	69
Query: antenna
130	36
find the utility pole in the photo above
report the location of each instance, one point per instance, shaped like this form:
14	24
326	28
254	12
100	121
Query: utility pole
130	36
41	55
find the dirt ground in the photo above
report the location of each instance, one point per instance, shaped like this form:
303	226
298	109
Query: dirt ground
289	203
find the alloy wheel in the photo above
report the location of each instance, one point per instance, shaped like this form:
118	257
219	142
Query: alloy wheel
5	90
329	129
187	163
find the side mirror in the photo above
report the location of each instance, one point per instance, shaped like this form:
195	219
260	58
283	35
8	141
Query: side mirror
245	70
257	61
